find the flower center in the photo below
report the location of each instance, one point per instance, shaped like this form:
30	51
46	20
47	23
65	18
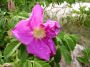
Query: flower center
39	33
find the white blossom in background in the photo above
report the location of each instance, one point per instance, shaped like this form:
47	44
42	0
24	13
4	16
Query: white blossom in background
65	9
58	11
76	6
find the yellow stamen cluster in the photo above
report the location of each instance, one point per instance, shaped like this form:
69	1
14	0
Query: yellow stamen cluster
39	33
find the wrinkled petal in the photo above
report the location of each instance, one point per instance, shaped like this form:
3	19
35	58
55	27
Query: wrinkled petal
39	49
37	16
22	32
51	45
52	28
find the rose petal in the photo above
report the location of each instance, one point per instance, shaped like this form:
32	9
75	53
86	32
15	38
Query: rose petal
22	32
39	49
51	45
37	16
52	28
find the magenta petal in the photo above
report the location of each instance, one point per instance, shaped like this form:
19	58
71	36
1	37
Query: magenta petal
22	32
52	28
37	16
51	45
39	49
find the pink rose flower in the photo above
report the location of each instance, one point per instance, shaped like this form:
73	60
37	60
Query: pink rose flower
36	35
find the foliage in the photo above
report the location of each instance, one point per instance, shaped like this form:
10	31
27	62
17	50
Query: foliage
14	52
24	4
86	56
67	44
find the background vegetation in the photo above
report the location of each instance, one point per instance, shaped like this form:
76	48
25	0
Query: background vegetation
13	53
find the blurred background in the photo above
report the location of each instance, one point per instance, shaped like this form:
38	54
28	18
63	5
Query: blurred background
73	15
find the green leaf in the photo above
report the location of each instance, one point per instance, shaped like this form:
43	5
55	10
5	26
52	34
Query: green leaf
68	40
16	63
86	56
11	48
27	64
75	38
23	55
83	60
36	64
58	55
66	54
40	64
59	38
69	43
61	35
44	64
86	52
